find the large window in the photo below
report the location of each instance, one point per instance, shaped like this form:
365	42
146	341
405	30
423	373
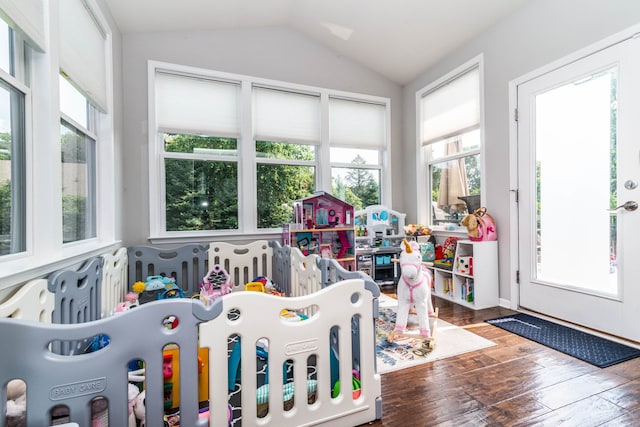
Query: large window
12	145
358	133
450	137
57	153
78	149
231	153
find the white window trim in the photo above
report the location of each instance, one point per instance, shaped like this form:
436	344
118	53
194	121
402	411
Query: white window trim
422	164
247	159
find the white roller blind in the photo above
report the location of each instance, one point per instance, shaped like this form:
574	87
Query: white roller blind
451	108
286	116
26	16
192	104
357	124
83	51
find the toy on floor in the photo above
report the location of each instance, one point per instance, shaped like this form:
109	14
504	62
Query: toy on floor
356	386
414	288
16	403
130	301
157	287
216	283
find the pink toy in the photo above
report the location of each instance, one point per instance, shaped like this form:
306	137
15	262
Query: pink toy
215	284
130	301
414	288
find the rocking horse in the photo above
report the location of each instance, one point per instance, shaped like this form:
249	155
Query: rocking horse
414	289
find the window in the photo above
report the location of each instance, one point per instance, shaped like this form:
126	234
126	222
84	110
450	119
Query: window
12	146
287	132
83	104
358	143
199	123
57	160
231	153
450	139
78	156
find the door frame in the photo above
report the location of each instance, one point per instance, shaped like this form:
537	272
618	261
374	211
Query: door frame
514	255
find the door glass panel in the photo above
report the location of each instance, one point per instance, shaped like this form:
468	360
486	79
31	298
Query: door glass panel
576	184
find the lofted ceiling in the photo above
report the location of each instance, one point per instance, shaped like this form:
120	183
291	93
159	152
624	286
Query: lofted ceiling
397	38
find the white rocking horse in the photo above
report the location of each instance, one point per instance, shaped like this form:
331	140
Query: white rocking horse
414	288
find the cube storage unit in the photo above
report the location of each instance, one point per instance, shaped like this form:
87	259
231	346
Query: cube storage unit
473	281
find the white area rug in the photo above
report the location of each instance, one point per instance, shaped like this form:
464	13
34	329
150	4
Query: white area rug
450	340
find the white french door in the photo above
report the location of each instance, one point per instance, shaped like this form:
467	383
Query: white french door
578	161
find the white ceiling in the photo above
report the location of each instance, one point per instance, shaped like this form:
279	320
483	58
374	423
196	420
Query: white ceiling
396	38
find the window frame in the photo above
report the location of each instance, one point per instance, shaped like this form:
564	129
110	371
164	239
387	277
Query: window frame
247	156
424	163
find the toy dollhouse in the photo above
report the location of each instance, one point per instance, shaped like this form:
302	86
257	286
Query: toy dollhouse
323	225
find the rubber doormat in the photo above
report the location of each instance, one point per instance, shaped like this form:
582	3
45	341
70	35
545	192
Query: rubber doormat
581	345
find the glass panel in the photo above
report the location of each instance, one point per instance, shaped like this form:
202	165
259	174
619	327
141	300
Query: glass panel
278	186
73	103
576	128
285	151
455	189
6	36
12	172
357	186
78	185
200	144
459	144
201	195
355	155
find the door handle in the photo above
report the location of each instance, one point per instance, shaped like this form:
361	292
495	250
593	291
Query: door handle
628	206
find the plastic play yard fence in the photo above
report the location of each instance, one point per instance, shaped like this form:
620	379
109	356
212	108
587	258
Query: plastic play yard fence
260	368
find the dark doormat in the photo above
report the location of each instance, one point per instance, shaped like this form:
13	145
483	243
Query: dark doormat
581	345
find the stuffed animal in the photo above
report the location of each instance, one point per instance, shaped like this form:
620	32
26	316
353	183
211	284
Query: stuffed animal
16	403
414	288
471	222
480	225
133	393
139	409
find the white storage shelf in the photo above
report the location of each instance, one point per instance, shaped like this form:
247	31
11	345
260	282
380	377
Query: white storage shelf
454	285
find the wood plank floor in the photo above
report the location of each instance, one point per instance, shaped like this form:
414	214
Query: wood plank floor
515	383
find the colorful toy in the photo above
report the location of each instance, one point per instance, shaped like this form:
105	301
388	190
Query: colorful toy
215	284
157	287
414	288
464	265
356	386
130	301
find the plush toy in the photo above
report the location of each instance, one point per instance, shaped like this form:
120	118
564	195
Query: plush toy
16	403
133	393
139	409
480	225
471	222
414	288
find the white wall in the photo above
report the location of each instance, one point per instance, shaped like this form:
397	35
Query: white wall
539	33
277	53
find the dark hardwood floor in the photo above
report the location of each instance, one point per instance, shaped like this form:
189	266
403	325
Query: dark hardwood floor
515	383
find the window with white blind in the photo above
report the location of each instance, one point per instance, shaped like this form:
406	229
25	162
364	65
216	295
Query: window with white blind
56	136
229	153
358	138
449	113
287	132
198	122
